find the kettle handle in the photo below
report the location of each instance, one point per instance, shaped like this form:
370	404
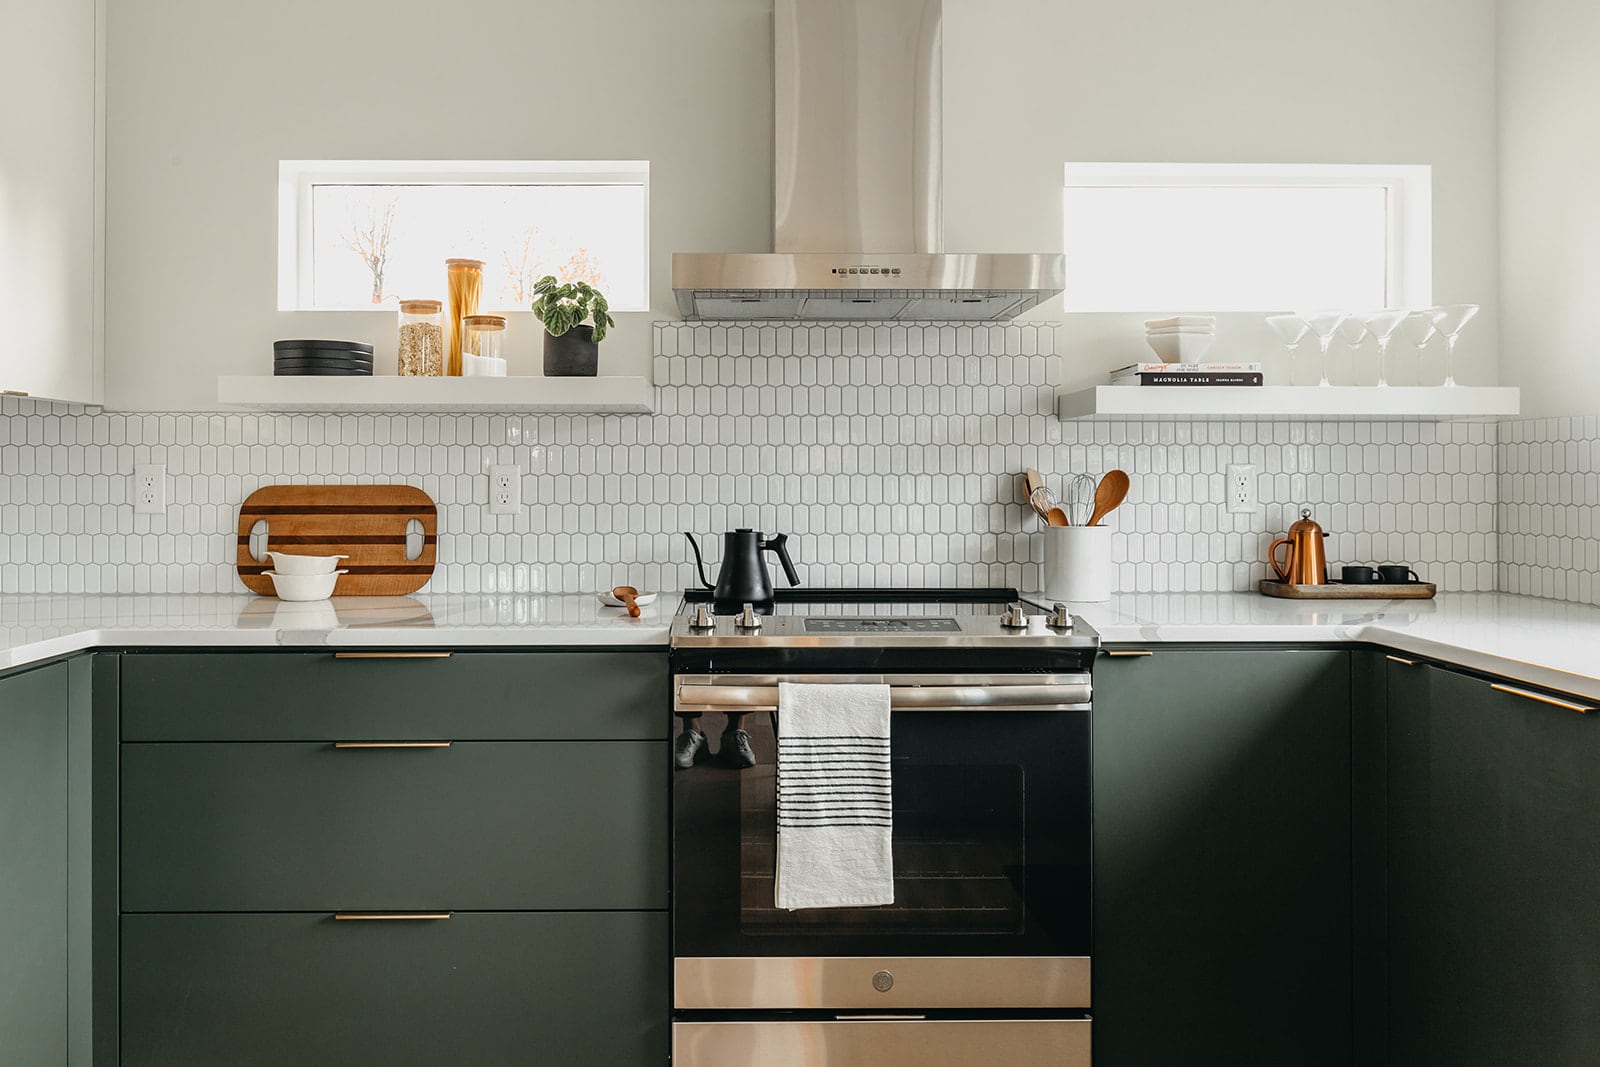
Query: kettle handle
699	564
1272	558
779	543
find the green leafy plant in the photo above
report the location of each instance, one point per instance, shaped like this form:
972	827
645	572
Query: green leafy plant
561	307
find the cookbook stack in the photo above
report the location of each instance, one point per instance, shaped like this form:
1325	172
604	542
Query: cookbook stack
1232	374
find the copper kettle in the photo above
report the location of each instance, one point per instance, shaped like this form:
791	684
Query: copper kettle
1304	563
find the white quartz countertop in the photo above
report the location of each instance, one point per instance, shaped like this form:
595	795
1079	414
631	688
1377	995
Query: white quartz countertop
33	628
1547	643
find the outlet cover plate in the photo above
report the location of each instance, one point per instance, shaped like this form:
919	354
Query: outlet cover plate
505	489
150	489
1240	489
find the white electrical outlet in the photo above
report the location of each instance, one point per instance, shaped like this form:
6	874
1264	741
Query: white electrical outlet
505	490
150	489
1241	488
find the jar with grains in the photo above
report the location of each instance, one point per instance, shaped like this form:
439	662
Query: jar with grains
464	286
484	335
421	338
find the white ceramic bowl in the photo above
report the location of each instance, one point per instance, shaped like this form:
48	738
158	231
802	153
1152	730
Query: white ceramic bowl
304	586
1207	322
286	563
1180	348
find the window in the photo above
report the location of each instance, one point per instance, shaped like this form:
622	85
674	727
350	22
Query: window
1259	237
363	234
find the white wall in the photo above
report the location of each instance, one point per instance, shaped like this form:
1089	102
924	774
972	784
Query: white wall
205	98
1030	84
1549	210
48	285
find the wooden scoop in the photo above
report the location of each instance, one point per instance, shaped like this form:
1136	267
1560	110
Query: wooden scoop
626	593
1111	491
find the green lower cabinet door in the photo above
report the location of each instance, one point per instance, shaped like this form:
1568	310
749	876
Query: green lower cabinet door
1501	931
1222	850
479	988
33	867
480	825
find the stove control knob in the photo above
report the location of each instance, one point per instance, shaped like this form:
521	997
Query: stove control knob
1014	618
883	981
703	619
1060	618
748	619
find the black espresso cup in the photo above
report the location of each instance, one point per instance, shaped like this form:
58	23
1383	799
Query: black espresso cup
1357	575
1398	574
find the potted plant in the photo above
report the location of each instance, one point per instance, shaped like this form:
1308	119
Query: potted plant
571	345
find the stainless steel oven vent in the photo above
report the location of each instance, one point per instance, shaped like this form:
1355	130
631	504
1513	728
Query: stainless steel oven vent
858	228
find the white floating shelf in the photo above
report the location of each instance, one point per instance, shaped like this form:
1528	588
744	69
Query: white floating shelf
394	393
1335	402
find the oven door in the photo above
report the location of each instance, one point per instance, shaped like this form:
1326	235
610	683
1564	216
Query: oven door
991	780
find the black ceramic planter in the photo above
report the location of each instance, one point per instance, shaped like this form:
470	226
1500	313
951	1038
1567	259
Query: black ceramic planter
575	354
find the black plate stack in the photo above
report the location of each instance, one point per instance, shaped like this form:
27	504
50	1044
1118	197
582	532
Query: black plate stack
326	358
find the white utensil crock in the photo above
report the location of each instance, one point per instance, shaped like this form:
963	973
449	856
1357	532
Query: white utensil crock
1077	563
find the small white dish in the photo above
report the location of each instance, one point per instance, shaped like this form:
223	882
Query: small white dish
1181	321
1180	348
304	586
612	602
287	563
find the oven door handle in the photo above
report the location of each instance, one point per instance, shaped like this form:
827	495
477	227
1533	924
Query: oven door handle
1071	696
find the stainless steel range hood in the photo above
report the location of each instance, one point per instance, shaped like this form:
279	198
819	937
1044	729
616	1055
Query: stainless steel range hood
858	229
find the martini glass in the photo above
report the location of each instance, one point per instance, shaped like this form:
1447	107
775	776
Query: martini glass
1419	330
1382	325
1291	329
1354	331
1450	320
1324	324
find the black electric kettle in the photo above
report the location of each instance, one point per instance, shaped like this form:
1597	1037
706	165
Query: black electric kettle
743	577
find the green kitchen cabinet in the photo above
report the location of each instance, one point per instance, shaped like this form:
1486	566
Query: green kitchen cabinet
480	988
1494	944
33	866
1222	851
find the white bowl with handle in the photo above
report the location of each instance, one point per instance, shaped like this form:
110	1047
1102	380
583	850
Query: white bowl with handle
287	563
304	586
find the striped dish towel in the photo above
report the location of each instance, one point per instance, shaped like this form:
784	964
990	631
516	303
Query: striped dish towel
835	811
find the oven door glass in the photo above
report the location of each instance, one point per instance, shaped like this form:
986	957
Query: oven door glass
990	841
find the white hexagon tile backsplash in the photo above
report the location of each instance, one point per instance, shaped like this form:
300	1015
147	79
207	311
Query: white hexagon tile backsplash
889	453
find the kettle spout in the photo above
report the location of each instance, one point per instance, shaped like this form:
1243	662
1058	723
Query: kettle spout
699	564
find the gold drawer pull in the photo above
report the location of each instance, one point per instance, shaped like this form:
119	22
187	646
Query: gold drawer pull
1541	698
1128	652
391	655
391	916
1398	659
391	744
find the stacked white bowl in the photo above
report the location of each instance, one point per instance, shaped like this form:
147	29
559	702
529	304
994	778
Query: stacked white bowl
1182	338
304	577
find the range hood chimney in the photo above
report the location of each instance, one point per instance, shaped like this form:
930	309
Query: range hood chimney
858	228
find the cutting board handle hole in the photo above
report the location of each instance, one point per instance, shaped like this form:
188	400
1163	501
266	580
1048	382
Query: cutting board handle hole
258	541
416	537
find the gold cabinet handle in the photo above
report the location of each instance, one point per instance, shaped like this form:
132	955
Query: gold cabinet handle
391	916
1541	698
391	655
391	744
1400	659
1128	652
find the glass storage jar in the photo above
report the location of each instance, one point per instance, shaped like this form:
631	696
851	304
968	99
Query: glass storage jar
421	352
464	286
484	337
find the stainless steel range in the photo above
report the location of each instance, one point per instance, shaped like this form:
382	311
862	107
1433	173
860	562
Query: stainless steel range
984	955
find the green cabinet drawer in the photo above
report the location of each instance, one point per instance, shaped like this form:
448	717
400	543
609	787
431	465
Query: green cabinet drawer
313	696
479	988
475	826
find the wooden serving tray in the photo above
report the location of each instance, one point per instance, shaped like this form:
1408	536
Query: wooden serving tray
1341	591
365	522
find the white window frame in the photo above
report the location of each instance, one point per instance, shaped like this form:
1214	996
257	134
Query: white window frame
296	177
1408	267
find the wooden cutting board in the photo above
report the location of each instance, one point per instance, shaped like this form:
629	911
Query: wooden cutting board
368	523
1340	591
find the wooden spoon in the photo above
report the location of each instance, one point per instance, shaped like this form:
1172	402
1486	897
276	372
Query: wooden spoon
1111	491
626	593
1057	517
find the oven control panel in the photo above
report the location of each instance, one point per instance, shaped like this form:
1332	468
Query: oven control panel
881	626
